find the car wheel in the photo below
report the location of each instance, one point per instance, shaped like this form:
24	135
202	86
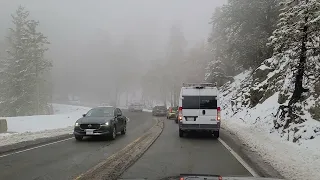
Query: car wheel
113	134
78	138
124	130
216	134
180	133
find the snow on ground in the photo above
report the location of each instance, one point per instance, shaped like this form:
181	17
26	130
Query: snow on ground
293	160
65	116
24	128
13	138
63	108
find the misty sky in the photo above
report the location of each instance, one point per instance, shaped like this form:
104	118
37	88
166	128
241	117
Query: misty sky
64	20
74	26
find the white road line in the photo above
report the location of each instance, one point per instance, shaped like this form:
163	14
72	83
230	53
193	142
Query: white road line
29	149
244	164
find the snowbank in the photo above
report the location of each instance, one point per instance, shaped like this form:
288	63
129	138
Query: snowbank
25	128
13	138
255	127
65	115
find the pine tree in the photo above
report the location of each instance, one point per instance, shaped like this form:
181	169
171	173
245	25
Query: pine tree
23	68
296	44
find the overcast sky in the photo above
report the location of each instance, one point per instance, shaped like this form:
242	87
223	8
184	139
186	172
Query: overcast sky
81	18
73	26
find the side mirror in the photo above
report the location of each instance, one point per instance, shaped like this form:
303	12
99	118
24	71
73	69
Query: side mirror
83	115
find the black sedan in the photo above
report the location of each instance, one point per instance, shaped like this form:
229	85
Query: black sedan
101	121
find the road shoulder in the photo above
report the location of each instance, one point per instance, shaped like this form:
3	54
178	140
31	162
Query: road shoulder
264	169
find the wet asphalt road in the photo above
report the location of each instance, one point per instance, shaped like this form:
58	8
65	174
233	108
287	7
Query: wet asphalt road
68	159
171	155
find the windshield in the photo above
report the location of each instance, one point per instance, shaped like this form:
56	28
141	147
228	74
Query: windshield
144	89
100	112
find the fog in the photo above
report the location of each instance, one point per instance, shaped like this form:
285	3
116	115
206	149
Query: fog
94	43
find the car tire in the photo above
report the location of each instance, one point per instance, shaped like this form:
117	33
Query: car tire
181	133
78	138
216	134
124	130
113	134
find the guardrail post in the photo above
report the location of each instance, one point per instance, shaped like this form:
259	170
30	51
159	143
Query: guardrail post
3	126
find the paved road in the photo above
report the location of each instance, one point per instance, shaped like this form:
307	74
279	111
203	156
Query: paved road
171	155
68	159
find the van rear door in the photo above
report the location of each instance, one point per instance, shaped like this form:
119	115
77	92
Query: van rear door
208	106
190	105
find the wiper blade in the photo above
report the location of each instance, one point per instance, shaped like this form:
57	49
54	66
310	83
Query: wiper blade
200	177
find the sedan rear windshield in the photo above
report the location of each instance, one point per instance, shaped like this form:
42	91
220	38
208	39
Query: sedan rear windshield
199	102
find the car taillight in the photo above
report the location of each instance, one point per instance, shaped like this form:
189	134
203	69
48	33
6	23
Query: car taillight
170	110
218	114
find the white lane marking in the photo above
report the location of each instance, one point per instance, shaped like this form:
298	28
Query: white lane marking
29	149
244	164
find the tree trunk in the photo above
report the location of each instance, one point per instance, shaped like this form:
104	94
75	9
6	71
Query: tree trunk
298	89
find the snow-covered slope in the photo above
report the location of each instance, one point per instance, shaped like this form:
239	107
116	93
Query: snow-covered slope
255	126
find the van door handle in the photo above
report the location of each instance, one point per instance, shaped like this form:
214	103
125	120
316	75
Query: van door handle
203	112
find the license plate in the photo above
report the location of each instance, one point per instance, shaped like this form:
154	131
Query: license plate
89	131
190	119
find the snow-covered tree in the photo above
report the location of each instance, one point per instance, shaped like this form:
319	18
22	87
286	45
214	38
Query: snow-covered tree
296	46
24	67
240	31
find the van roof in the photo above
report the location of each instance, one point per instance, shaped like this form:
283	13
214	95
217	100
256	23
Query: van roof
199	85
194	91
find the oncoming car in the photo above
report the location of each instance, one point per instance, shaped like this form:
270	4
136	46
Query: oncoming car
199	109
135	107
159	111
101	121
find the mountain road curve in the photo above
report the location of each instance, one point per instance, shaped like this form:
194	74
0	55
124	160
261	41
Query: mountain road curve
68	158
169	155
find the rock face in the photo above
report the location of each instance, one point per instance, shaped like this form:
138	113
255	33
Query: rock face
273	77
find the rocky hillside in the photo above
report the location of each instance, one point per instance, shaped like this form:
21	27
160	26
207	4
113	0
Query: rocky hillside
256	96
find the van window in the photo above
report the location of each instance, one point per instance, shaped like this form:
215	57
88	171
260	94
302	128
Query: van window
208	102
190	102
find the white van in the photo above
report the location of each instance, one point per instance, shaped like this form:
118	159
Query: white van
199	108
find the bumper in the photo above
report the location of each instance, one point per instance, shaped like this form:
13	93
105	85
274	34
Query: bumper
102	131
172	115
199	127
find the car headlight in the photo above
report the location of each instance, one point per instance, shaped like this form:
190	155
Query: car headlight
105	124
76	124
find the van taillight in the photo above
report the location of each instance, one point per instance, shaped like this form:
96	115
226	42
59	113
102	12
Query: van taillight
180	114
218	114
